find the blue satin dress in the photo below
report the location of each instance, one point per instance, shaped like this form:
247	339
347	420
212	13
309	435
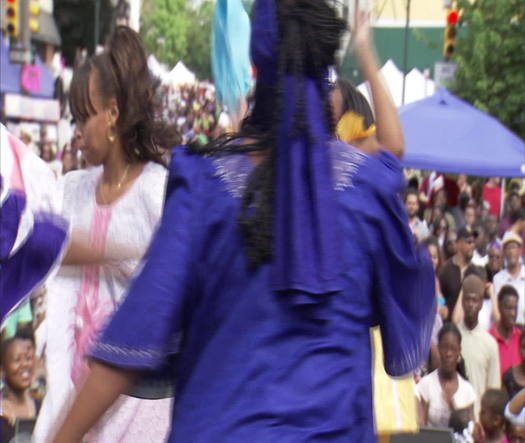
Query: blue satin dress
251	366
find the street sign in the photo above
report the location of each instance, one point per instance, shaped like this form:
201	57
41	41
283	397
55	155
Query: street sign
19	55
444	72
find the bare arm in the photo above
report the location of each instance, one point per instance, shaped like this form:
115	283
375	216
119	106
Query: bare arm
457	314
517	403
389	132
422	412
102	387
80	252
494	301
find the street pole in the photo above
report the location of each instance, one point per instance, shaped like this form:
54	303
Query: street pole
405	51
97	25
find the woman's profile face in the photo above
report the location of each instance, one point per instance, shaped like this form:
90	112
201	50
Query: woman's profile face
19	365
336	100
96	130
434	255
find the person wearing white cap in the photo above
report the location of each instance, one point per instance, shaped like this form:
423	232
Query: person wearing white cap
514	271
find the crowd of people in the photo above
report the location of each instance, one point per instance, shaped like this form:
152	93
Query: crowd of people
185	300
194	111
477	359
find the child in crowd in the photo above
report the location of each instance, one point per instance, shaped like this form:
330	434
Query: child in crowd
18	408
515	434
492	417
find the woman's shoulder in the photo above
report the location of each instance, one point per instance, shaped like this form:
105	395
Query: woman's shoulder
232	170
74	178
465	387
429	381
76	185
381	171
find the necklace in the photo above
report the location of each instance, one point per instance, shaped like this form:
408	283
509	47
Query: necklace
119	185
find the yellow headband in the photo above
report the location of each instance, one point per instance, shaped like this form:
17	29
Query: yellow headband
351	127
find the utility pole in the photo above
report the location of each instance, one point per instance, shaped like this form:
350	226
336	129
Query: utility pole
97	26
405	51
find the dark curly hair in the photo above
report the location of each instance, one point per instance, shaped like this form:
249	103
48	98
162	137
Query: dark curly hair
122	73
309	32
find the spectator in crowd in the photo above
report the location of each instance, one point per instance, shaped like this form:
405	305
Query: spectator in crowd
20	318
464	200
491	428
492	195
495	263
46	152
489	313
462	424
463	185
446	389
491	228
514	378
453	271
515	412
433	249
469	217
28	141
478	347
515	434
440	230
69	160
418	227
513	206
17	366
480	257
440	207
450	245
505	331
514	272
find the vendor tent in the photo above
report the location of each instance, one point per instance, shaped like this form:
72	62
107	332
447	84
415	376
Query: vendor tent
179	75
417	85
444	133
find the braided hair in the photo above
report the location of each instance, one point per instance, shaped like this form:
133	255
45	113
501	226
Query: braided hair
309	35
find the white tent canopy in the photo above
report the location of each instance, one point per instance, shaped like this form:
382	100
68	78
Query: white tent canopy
157	69
179	75
417	86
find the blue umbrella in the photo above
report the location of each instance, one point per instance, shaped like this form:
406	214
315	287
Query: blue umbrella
446	134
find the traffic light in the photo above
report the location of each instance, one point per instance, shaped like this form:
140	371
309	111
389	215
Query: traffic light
34	12
12	13
449	39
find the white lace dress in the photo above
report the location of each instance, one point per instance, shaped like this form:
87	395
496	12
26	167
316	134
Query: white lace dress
81	299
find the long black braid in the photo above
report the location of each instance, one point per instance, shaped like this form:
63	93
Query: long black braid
310	33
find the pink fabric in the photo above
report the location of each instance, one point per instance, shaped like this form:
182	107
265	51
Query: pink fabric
493	197
90	311
509	350
19	152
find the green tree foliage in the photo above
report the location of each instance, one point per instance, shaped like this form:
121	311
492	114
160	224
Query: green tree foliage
491	59
175	30
199	40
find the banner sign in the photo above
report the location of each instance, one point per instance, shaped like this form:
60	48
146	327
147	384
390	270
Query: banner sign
31	108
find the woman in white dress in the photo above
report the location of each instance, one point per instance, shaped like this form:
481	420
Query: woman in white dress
446	390
114	208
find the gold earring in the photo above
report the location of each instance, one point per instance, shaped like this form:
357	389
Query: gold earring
111	137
